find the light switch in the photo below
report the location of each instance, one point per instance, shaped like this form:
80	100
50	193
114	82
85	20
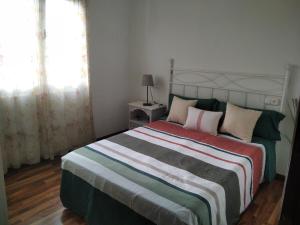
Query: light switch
272	100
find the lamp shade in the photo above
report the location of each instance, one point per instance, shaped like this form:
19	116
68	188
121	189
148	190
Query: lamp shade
147	80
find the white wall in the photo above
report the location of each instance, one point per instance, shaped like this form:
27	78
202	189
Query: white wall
235	35
108	53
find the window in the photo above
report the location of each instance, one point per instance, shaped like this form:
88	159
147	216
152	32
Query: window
42	43
44	92
19	45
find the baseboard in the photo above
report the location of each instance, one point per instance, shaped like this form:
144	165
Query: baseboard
110	135
280	177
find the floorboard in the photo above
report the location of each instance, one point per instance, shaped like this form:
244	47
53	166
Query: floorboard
33	198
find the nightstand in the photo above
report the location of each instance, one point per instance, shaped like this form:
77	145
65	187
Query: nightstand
140	115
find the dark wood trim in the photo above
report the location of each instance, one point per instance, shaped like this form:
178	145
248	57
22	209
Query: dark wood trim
110	135
291	202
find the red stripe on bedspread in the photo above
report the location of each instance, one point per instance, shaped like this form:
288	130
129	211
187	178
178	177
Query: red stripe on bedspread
227	144
210	155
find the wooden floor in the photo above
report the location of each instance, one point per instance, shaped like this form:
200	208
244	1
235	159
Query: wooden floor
33	198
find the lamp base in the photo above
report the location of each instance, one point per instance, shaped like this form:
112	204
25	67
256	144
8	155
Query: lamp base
147	104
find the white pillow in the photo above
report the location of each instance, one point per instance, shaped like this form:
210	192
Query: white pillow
240	122
179	109
203	121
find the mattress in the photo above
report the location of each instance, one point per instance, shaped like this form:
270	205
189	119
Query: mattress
169	175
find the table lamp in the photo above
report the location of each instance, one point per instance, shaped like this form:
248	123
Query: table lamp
147	81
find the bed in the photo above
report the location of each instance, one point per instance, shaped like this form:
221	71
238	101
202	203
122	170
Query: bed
167	175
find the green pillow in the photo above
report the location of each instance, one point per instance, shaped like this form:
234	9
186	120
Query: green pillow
205	104
267	125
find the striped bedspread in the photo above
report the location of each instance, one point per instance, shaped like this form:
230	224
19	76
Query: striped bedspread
171	175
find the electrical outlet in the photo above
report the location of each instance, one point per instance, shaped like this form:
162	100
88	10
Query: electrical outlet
274	101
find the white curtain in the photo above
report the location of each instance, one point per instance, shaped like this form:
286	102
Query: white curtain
44	84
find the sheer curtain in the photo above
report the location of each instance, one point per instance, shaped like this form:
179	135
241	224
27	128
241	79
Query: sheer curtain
44	84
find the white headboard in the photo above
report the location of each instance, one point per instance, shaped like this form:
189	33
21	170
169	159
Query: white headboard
262	91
